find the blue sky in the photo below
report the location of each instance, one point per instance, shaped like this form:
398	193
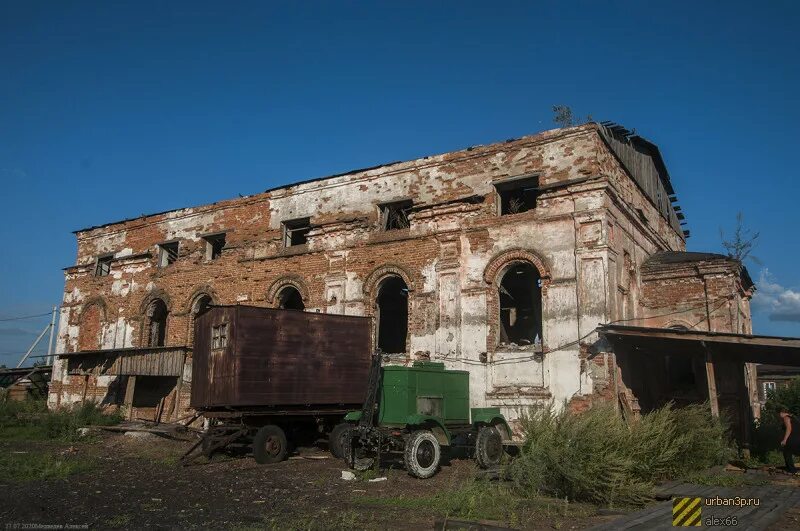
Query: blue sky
109	110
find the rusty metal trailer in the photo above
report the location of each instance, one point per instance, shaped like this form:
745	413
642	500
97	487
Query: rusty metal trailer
265	376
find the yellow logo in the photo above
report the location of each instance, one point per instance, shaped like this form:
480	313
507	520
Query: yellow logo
686	512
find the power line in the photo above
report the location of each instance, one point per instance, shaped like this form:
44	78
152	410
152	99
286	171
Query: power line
25	317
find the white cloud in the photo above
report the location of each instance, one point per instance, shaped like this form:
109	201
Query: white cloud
779	303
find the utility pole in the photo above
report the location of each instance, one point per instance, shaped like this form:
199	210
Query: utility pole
50	359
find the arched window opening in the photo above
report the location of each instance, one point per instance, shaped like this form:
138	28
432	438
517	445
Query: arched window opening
520	294
157	323
290	299
392	315
200	306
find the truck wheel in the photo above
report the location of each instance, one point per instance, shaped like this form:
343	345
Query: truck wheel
337	440
488	447
422	454
270	445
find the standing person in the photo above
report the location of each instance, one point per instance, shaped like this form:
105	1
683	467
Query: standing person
791	438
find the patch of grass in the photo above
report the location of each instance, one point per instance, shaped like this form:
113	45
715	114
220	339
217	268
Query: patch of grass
340	520
481	500
366	475
32	420
599	458
31	466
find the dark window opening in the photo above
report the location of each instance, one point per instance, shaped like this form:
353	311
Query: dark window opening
202	305
295	232
290	299
395	215
521	306
219	336
518	196
150	390
103	267
214	246
157	323
392	315
167	253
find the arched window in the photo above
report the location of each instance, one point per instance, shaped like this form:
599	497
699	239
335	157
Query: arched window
391	313
157	323
200	305
290	299
520	296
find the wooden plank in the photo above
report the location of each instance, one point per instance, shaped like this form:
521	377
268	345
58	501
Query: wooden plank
713	400
129	390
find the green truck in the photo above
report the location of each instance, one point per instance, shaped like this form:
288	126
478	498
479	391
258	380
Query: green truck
419	412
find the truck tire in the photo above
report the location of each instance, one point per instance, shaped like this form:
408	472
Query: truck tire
337	440
270	445
488	447
422	454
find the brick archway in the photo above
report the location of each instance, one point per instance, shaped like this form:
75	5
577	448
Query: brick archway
500	262
293	281
190	307
379	274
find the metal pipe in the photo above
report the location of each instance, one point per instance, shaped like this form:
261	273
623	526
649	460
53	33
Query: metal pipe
46	328
52	334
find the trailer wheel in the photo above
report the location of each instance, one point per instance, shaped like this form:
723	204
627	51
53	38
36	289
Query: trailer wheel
488	447
337	440
270	445
422	454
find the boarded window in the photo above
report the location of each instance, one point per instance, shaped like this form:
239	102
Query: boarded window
295	232
517	195
103	267
214	246
167	253
395	215
219	336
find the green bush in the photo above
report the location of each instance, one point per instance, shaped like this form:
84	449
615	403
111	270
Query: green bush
597	457
32	419
767	433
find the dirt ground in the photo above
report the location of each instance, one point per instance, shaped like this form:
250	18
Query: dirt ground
133	484
128	483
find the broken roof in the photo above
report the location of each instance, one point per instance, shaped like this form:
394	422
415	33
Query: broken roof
609	129
667	258
729	347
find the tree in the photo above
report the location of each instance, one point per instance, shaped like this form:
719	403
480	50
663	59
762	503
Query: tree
742	243
563	116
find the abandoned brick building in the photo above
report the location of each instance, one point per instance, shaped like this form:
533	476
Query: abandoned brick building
500	259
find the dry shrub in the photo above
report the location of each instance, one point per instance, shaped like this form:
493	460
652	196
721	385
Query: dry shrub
597	457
